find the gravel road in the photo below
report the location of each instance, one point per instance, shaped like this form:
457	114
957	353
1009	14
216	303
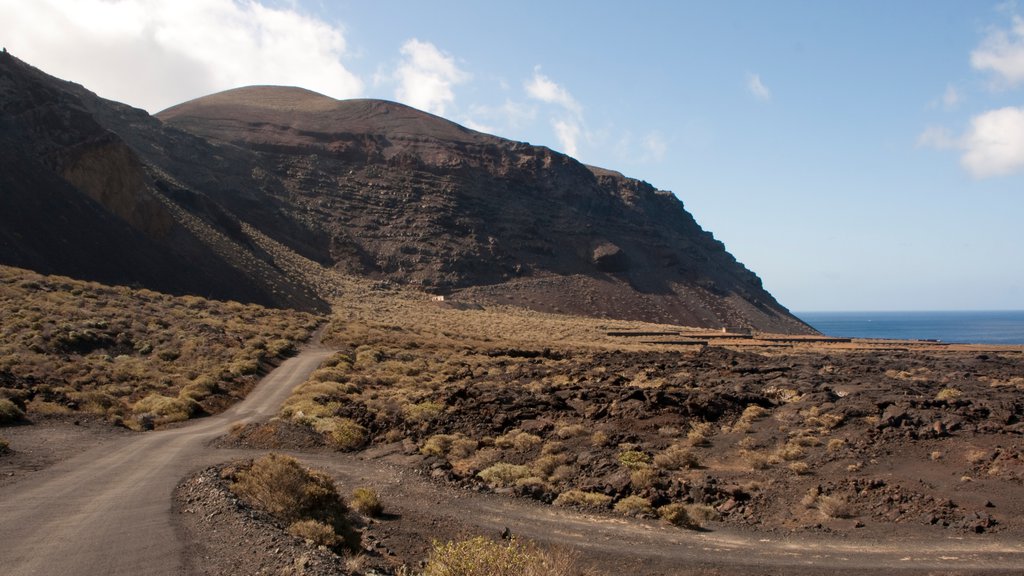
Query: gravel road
107	510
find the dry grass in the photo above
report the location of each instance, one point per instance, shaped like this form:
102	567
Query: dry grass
9	412
582	499
74	346
677	457
634	459
318	533
295	494
503	474
834	507
367	502
482	557
634	506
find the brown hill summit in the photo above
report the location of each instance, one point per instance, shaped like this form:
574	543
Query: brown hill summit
251	189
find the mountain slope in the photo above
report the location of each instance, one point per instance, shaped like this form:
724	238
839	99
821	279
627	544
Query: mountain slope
254	194
79	200
405	195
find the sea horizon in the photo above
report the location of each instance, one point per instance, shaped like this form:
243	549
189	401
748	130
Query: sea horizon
954	326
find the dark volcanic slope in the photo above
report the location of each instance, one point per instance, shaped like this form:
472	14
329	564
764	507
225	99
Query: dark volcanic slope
405	195
78	198
245	195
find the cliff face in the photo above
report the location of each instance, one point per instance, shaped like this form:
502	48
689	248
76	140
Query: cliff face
368	187
401	194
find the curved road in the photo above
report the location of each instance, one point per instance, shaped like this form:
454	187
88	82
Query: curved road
108	511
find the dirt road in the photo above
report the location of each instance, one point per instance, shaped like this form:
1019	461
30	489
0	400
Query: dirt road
107	511
425	511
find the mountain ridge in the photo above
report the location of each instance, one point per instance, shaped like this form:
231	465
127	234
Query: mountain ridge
377	189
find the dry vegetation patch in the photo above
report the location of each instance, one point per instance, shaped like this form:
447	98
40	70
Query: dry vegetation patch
306	501
549	408
482	557
136	357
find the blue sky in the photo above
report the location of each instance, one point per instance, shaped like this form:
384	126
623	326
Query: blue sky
856	155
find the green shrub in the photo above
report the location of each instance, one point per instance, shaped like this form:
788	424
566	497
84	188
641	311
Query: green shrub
580	498
367	502
9	412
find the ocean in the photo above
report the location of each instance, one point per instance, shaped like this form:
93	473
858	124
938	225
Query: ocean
989	327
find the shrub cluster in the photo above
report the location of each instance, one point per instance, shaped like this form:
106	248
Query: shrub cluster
132	356
304	500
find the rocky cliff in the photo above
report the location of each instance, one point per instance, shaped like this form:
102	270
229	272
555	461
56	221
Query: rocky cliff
229	181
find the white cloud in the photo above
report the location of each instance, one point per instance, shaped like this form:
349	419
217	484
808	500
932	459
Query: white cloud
655	146
542	88
757	88
652	147
426	77
1002	52
994	144
937	137
568	134
951	97
568	122
504	120
154	54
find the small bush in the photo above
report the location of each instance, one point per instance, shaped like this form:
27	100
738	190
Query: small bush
503	474
634	506
482	557
422	412
582	499
437	445
643	478
318	533
699	434
948	394
4	446
676	514
343	433
165	408
834	507
800	468
571	431
634	459
756	460
366	501
293	493
521	441
9	412
687	515
677	457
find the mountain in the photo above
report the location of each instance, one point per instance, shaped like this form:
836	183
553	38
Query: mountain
247	193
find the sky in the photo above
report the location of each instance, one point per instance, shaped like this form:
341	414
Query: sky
855	155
